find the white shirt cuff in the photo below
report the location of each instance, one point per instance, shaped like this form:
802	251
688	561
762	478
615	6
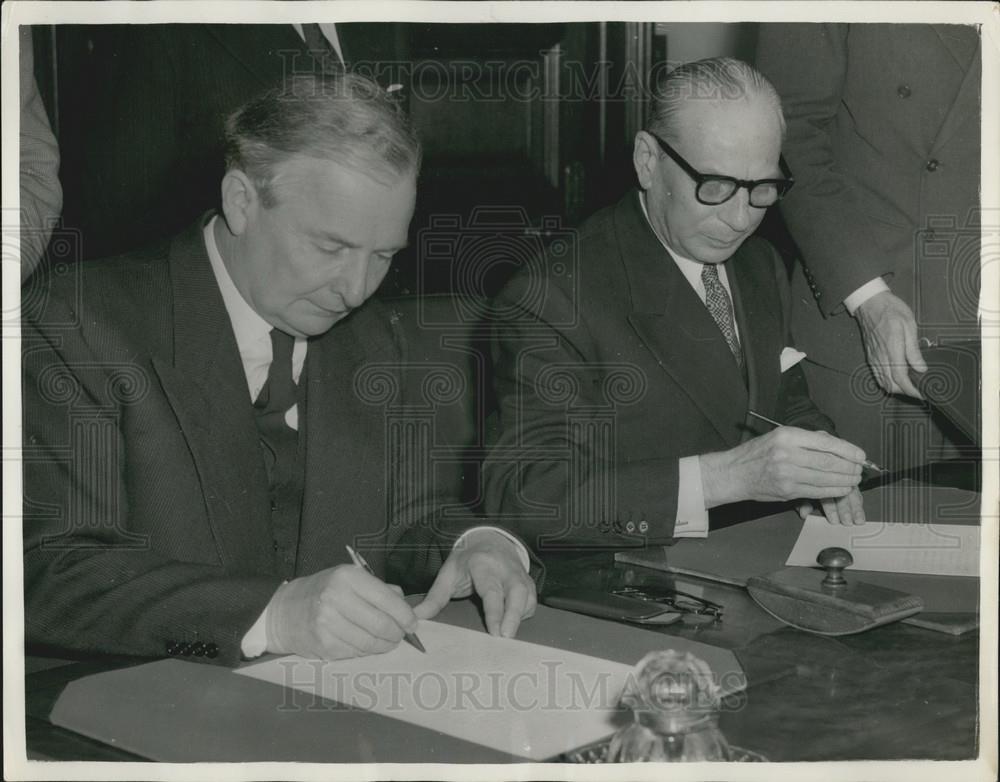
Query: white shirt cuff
521	550
692	516
865	292
254	643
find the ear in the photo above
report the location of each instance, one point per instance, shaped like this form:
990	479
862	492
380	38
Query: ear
240	200
645	158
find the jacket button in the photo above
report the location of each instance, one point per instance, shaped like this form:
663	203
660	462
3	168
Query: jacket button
211	650
932	165
903	91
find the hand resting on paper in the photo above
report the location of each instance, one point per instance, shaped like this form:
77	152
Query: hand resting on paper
846	510
489	563
339	612
785	464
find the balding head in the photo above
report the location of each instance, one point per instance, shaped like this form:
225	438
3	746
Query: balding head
716	79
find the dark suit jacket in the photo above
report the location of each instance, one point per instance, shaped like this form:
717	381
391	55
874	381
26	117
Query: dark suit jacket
147	516
610	368
884	142
142	144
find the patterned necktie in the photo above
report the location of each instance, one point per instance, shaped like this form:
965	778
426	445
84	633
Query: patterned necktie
720	307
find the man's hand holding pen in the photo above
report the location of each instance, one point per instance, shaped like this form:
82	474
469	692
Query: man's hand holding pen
346	611
343	611
788	464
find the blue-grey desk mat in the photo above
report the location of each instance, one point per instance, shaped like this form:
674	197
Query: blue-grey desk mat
178	711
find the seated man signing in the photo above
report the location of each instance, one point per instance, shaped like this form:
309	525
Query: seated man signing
628	366
200	442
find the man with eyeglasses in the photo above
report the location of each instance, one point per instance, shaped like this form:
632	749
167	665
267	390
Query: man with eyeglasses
634	379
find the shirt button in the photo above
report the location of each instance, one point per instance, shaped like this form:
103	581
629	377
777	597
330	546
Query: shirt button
904	91
932	165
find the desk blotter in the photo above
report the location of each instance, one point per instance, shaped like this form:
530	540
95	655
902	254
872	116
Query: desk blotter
177	711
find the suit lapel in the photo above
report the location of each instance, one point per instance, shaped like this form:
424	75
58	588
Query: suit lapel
966	105
343	438
206	386
962	42
674	324
753	286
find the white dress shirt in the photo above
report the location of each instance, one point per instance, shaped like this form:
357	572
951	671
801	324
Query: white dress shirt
253	339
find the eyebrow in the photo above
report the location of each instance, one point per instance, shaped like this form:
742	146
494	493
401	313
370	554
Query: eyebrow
334	237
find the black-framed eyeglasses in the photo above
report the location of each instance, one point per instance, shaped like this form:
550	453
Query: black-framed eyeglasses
675	599
715	189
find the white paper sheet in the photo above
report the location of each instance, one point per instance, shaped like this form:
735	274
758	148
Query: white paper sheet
930	549
518	697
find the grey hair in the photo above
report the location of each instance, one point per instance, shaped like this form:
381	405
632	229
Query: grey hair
714	78
346	118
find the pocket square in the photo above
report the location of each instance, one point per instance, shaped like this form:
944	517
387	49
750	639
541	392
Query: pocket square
790	357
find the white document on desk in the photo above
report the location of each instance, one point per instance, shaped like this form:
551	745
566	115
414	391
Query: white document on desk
529	700
929	549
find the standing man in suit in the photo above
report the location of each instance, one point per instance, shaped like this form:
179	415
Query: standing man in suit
884	139
142	135
203	423
625	374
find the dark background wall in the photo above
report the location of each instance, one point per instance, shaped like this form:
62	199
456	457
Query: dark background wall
527	128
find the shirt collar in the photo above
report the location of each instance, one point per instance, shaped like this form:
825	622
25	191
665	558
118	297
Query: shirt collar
689	268
249	327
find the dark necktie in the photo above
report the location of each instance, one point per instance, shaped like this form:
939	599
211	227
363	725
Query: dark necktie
321	48
720	307
278	395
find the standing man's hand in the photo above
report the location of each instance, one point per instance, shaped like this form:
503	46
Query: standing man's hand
889	332
489	563
340	612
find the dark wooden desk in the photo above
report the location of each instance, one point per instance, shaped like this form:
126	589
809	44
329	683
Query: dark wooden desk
891	693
